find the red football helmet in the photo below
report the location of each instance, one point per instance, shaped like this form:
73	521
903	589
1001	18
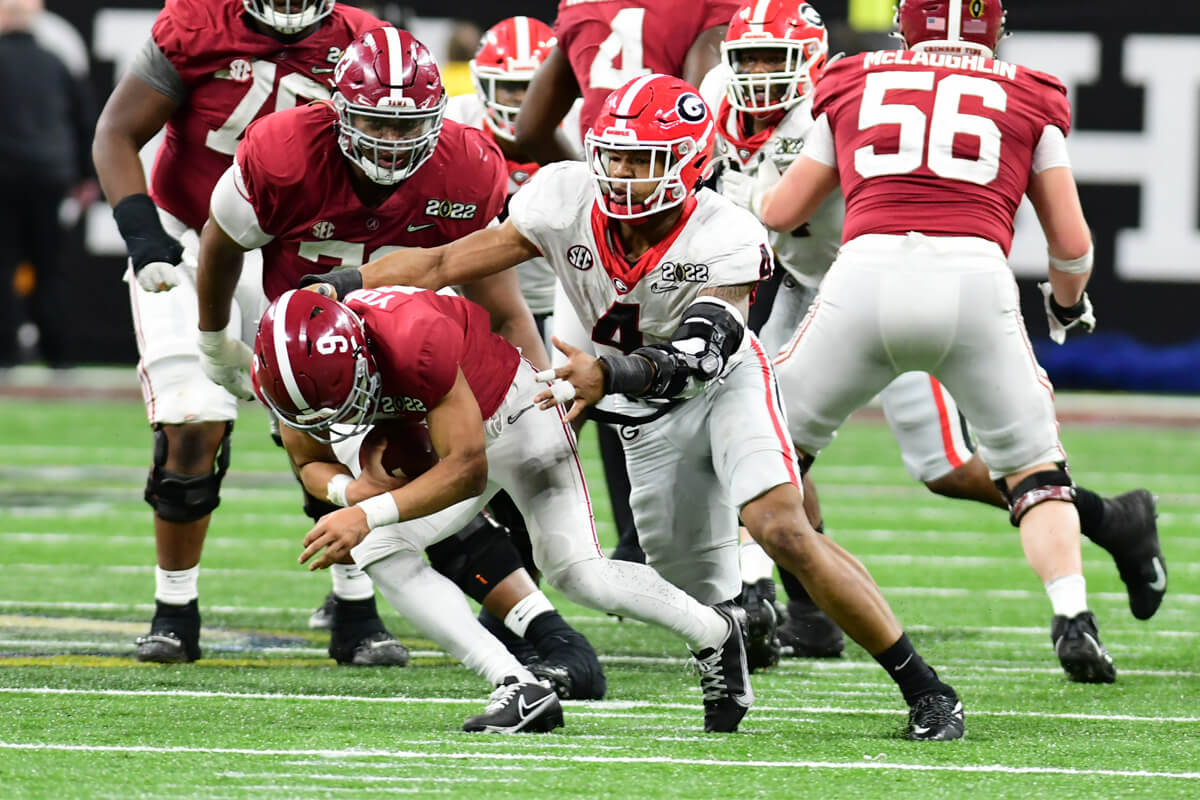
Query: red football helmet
790	26
509	53
951	26
295	16
389	98
664	116
312	366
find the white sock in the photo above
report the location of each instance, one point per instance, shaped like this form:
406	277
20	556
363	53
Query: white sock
755	563
351	583
1068	595
637	591
438	609
526	610
176	587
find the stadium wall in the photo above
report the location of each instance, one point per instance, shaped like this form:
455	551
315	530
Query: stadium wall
1135	87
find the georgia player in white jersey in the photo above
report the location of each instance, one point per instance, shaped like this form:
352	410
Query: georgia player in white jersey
509	53
661	271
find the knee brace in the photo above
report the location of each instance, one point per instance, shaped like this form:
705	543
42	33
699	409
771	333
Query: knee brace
185	498
1050	484
476	558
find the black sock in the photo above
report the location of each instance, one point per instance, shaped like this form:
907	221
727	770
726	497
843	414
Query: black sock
354	610
910	672
792	585
1091	514
548	631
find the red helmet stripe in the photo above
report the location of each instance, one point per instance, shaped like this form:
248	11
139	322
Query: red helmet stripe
280	339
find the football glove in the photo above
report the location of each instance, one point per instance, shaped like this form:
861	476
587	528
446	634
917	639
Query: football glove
747	191
153	252
226	362
1064	319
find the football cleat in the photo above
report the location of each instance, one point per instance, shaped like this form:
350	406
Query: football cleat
1129	523
935	717
357	636
322	618
1077	643
378	649
572	668
517	706
762	634
725	676
174	636
808	632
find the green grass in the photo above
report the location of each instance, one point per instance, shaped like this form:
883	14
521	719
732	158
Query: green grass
266	714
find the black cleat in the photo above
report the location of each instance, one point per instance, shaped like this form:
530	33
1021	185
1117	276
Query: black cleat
572	668
357	637
762	634
322	618
1077	643
725	676
515	707
174	636
1130	525
935	717
808	632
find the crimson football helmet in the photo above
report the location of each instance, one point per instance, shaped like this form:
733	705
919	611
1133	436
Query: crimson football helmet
661	115
312	367
509	52
951	26
795	29
389	98
295	16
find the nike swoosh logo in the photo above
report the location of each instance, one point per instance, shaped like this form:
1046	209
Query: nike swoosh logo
414	228
526	711
321	70
902	666
514	417
1159	584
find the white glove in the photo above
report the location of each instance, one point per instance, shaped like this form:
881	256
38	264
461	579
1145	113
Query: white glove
226	362
1059	326
747	191
158	276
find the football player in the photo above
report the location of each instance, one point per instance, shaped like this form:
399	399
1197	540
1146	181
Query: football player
330	369
207	71
922	281
773	56
661	271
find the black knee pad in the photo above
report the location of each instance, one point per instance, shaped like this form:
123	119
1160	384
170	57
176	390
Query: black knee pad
185	498
1049	484
476	558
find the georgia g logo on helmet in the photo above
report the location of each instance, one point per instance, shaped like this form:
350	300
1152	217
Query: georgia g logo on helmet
690	107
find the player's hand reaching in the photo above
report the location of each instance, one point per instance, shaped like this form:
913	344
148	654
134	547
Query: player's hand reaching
226	362
337	533
748	191
153	252
1063	319
579	381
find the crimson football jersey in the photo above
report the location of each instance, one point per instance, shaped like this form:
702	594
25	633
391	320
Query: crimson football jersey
934	143
298	182
610	42
233	75
420	339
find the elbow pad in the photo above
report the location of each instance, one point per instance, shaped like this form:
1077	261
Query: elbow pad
711	332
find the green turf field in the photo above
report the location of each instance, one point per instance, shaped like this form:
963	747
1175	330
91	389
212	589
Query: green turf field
266	714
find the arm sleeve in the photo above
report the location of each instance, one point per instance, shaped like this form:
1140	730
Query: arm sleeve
234	212
153	67
1051	150
818	145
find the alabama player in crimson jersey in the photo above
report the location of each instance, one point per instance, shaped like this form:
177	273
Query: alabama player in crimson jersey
773	56
934	146
661	271
329	369
602	44
207	71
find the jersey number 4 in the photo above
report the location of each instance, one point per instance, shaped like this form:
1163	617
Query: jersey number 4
624	41
262	83
619	328
943	124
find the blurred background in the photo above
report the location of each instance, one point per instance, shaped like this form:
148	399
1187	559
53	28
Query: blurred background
1133	71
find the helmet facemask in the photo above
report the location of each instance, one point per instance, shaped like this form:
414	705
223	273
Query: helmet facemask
764	92
490	85
293	17
617	195
389	143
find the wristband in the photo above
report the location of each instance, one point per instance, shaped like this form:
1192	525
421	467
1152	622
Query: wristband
344	281
335	492
145	240
1075	266
626	374
380	510
211	342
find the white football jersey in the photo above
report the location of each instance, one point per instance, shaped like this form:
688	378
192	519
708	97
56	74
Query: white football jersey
626	305
806	252
535	276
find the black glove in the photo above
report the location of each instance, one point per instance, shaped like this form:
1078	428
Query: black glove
344	281
145	239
